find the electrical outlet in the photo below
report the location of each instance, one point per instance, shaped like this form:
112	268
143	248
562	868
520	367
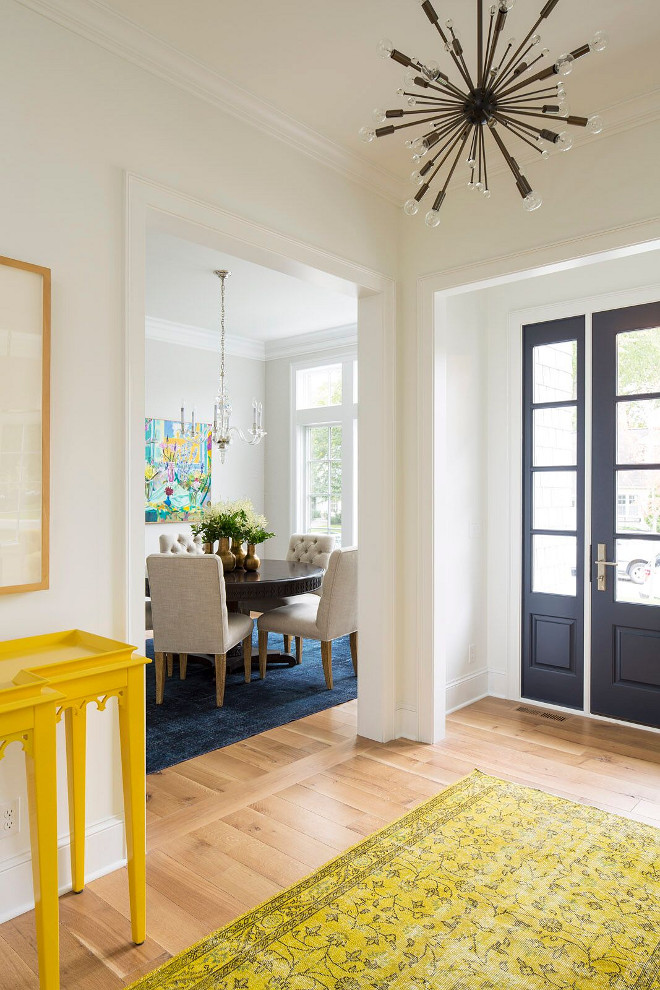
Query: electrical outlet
472	654
10	818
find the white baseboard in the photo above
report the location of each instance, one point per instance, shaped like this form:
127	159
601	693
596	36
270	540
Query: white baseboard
406	723
105	851
465	690
497	684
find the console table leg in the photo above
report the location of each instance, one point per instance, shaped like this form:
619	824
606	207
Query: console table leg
131	731
42	798
75	724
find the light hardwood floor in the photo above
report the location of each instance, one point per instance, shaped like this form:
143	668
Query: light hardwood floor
232	828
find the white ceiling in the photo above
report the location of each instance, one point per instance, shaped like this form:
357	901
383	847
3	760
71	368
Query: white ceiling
316	62
261	304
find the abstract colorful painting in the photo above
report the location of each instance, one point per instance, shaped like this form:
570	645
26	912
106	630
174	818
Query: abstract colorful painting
177	473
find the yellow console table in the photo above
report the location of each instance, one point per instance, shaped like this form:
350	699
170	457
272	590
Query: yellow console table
43	678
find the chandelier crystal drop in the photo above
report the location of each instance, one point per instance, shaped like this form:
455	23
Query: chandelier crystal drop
502	102
223	432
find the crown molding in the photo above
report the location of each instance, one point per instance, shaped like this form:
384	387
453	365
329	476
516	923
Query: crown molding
317	342
202	339
121	36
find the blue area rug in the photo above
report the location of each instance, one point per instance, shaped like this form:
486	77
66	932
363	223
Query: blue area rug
188	723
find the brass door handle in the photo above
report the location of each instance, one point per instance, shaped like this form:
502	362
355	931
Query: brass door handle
601	563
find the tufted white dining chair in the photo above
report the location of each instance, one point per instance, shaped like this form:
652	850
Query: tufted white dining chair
181	543
332	615
189	607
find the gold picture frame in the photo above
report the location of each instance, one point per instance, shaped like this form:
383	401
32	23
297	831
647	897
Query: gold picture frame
25	301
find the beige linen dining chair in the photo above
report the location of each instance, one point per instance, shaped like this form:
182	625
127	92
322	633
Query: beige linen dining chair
323	618
304	548
189	608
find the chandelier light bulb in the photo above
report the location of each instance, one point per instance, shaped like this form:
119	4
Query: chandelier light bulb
596	124
599	42
532	201
564	65
462	110
385	48
431	71
565	141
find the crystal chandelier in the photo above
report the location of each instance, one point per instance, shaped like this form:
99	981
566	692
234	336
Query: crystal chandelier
503	99
222	430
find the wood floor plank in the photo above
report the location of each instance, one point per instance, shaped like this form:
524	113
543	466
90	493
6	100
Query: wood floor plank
230	829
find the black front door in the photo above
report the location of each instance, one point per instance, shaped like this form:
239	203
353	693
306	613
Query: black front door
625	610
553	513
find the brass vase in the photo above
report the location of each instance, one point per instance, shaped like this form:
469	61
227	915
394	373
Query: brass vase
238	552
208	547
252	562
225	554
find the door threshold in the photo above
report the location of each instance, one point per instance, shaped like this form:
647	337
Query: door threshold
584	714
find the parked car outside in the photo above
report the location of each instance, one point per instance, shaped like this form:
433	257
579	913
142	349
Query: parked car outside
633	559
651	587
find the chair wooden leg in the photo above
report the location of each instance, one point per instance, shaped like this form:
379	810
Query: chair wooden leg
299	649
159	662
170	664
183	665
220	677
354	651
326	656
263	653
287	644
247	658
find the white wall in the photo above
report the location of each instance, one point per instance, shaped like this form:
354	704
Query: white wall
75	118
463	499
175	372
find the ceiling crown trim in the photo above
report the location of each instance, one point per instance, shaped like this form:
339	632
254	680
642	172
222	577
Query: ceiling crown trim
119	35
169	332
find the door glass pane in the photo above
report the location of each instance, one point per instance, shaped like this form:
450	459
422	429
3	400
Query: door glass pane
555	496
638	571
555	437
638	361
555	372
554	565
638	432
638	501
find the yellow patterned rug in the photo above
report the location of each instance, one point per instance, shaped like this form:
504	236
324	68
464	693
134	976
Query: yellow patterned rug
488	886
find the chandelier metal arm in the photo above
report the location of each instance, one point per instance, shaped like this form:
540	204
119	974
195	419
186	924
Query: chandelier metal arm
514	57
510	94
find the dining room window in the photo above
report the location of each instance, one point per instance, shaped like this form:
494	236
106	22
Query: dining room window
325	425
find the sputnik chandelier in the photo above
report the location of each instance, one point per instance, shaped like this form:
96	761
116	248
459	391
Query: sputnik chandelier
504	99
223	431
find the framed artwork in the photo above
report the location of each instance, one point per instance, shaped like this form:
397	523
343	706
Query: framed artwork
24	426
177	473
